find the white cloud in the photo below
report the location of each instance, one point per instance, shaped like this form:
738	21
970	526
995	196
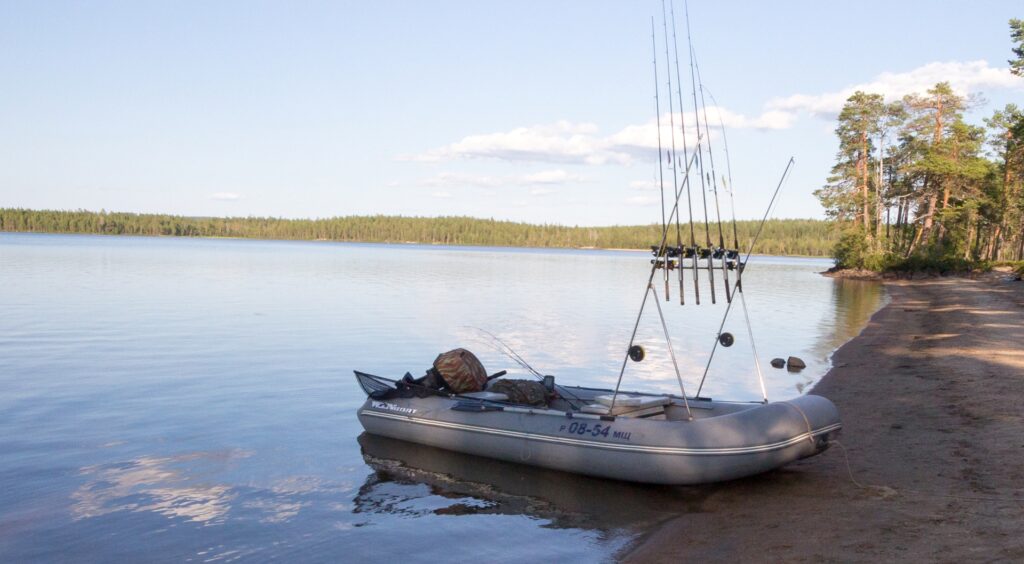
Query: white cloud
542	178
581	143
552	177
561	141
441	195
462	179
642	200
541	191
572	143
644	185
965	78
225	196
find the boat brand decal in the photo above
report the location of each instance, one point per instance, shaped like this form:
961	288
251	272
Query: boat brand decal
392	407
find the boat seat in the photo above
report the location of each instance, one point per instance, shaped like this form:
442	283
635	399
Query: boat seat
595	408
633	402
628	406
486	396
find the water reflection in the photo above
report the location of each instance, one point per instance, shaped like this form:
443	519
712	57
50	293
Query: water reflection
154	484
215	374
411	480
177	487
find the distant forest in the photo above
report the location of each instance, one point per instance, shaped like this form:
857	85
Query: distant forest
803	237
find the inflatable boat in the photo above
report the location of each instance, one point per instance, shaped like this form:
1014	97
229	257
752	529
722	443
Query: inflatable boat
638	437
656	439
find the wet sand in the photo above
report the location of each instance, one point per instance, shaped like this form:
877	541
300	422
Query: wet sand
930	394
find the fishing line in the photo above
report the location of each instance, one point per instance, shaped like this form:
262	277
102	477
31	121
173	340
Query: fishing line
739	279
703	187
714	180
661	172
886	489
728	168
515	357
675	160
682	127
650	279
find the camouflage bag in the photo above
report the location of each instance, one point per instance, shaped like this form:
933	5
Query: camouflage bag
526	392
461	371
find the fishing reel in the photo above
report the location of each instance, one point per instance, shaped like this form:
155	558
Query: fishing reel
637	353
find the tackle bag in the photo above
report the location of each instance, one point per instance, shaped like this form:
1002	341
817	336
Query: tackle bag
461	371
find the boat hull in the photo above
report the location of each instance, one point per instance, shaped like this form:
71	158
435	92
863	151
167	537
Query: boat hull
712	448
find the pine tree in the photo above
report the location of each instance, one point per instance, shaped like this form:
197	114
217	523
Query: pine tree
1017	37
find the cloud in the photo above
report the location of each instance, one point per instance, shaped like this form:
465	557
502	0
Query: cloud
461	179
642	200
542	178
965	77
644	185
541	191
580	143
552	177
562	141
441	195
225	196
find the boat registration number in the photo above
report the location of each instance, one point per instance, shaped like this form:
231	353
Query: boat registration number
595	430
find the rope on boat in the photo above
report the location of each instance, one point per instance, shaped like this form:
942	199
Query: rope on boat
810	428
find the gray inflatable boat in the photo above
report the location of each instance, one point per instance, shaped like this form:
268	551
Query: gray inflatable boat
646	438
637	437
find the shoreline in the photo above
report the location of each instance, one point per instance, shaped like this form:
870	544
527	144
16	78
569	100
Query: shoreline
348	242
932	432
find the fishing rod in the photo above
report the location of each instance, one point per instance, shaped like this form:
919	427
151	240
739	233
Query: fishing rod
650	279
675	160
692	252
661	173
703	187
739	278
721	251
736	242
502	347
728	169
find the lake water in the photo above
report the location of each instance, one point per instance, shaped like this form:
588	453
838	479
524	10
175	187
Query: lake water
193	400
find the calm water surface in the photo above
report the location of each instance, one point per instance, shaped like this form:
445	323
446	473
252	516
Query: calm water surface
193	400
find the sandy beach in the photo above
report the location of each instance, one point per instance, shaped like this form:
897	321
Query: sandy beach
930	395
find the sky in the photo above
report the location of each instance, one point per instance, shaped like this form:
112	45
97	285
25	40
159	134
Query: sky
532	111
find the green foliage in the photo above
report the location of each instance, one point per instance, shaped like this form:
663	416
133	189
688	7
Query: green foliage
955	207
800	237
854	250
851	249
1017	37
933	265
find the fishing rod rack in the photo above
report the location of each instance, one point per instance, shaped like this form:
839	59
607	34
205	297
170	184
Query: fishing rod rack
699	175
674	257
